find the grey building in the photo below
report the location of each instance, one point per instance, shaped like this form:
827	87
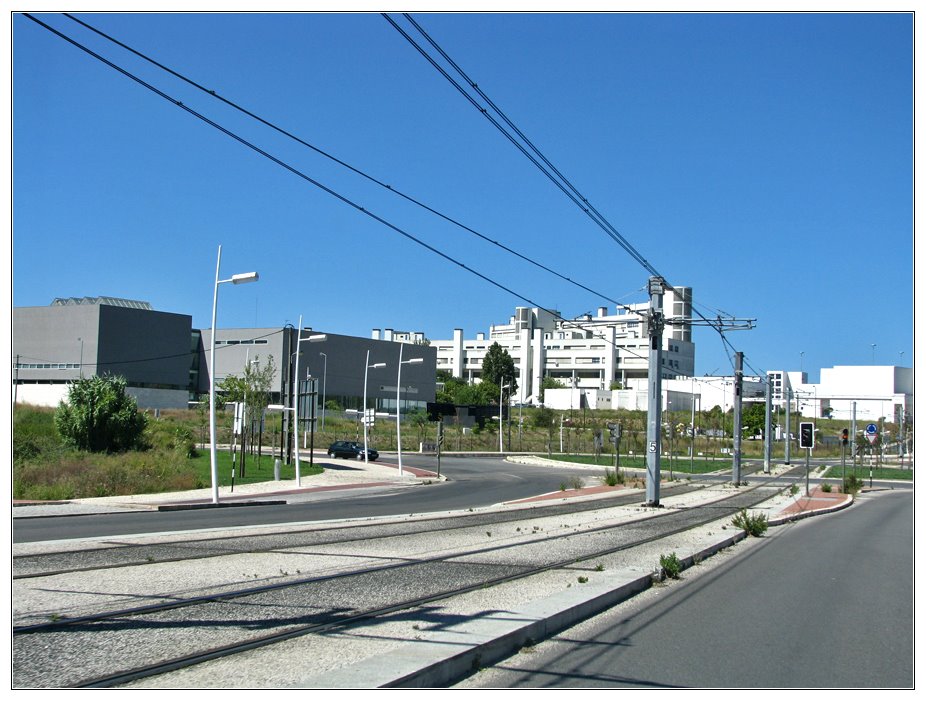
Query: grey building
337	363
166	362
74	337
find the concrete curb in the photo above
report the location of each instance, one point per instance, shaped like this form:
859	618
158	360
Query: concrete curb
812	512
457	651
220	505
454	652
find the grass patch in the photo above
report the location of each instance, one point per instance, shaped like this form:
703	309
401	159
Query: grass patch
681	466
878	473
255	471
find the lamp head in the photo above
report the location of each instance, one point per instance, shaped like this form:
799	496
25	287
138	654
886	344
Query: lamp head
242	278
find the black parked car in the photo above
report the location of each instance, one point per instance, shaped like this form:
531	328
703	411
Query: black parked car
349	449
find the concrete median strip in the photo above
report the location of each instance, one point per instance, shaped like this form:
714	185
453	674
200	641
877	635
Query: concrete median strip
452	653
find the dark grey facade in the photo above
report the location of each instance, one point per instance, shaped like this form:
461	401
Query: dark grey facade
337	363
59	343
166	363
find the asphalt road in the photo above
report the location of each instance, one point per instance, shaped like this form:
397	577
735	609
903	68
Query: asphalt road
472	482
823	603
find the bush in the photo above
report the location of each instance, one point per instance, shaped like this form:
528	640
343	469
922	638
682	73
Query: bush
34	434
169	435
671	565
826	487
754	525
852	485
98	416
612	478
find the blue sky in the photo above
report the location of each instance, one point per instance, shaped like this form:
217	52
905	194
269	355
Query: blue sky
765	160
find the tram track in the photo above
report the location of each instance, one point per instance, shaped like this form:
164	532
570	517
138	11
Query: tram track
251	617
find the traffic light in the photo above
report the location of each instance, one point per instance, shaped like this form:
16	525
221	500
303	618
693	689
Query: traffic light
806	435
845	436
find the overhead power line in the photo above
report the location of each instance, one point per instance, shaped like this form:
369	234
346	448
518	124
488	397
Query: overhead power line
341	162
532	153
295	171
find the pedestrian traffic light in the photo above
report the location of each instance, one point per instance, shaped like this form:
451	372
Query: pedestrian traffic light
845	436
806	435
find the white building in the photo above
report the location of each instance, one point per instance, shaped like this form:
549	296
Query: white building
677	395
876	391
588	352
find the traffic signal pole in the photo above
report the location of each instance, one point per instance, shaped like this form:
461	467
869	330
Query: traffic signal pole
806	440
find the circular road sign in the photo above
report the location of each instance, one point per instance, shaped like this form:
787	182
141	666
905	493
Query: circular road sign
871	429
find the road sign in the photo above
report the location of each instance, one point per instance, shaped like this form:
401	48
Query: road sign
871	429
872	437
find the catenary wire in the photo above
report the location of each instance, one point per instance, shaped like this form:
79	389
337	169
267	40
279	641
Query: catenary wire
586	207
341	162
298	173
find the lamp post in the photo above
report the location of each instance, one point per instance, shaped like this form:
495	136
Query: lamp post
398	399
366	422
312	339
324	388
501	413
239	279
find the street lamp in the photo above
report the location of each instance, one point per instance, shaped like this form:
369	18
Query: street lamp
501	413
324	387
239	279
312	339
366	422
398	399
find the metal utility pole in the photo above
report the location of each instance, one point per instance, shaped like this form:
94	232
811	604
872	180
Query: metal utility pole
852	439
655	324
767	467
788	428
738	418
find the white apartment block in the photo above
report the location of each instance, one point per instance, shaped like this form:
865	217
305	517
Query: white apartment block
588	352
875	392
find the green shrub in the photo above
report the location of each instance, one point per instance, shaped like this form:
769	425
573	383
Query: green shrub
170	435
852	484
99	416
34	434
612	478
754	525
827	487
671	565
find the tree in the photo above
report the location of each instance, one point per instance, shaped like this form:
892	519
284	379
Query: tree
754	418
253	388
98	416
498	367
549	383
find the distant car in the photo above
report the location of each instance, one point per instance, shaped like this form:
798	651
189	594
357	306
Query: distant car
349	449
